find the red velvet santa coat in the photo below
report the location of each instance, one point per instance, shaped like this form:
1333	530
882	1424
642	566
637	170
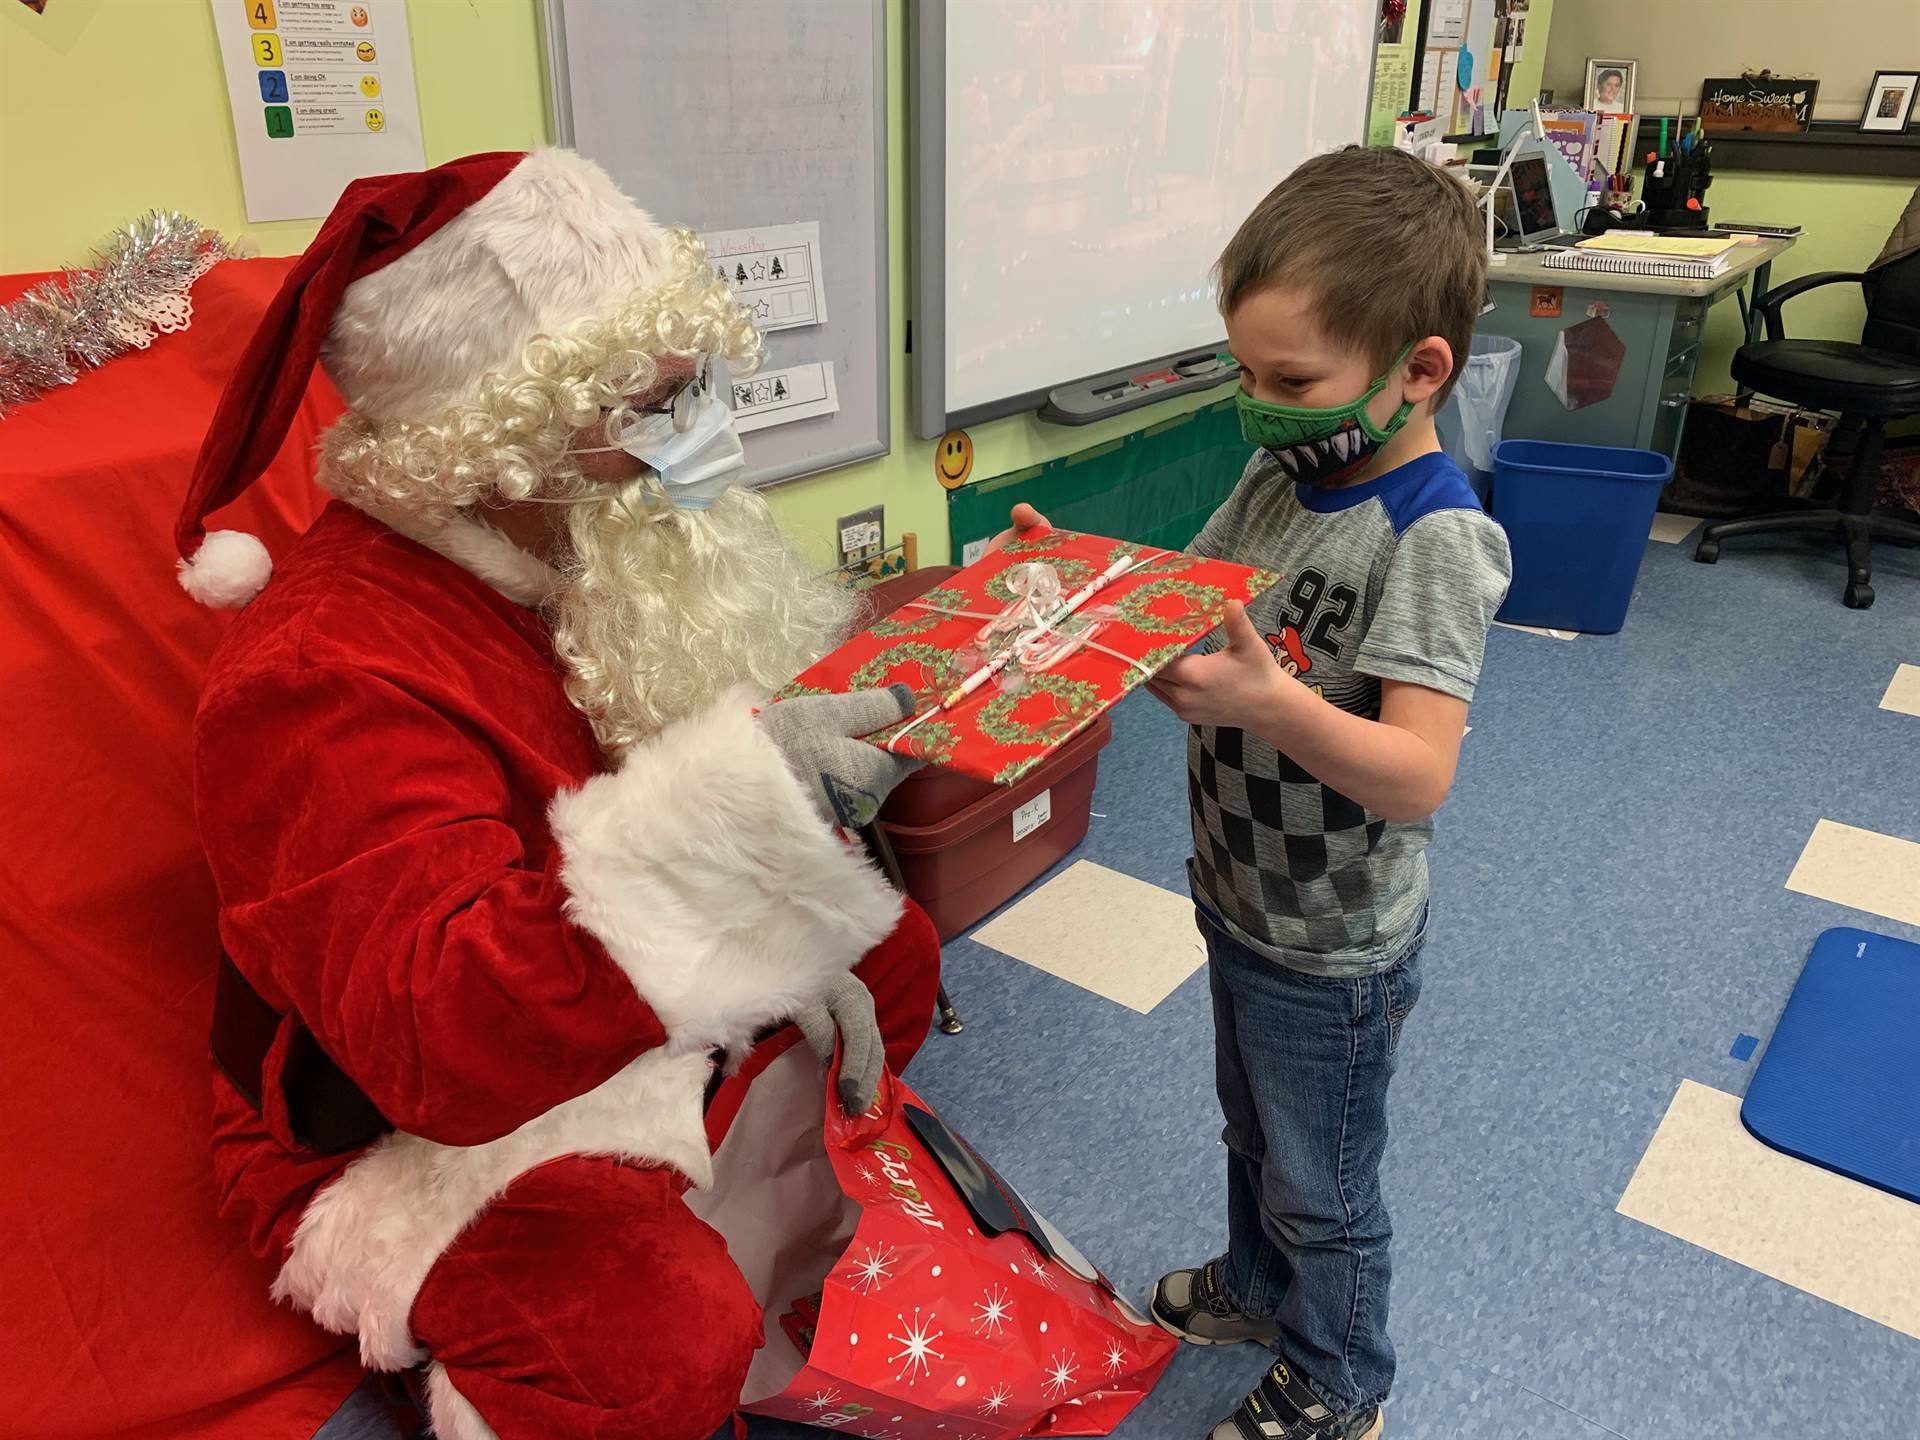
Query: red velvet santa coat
517	954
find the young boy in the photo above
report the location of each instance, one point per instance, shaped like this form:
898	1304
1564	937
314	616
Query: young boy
1326	725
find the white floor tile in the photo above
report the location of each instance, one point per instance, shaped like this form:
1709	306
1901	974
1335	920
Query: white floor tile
1706	1180
1864	869
1672	529
1903	691
1119	937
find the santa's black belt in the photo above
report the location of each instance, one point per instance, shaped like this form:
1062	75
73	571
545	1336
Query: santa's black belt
326	1110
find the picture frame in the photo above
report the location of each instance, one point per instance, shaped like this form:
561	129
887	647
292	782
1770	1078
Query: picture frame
1889	107
1610	86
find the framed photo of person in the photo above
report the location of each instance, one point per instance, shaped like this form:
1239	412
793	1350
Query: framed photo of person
1889	102
1610	86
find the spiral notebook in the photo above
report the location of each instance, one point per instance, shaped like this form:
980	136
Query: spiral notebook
1677	257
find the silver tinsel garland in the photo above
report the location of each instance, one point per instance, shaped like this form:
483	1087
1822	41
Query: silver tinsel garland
137	288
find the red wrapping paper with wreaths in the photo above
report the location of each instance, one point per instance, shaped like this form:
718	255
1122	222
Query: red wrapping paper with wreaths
1131	628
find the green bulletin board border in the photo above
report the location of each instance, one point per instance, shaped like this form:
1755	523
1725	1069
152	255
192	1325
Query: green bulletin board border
1156	486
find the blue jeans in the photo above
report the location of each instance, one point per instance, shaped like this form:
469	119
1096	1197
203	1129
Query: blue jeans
1302	1068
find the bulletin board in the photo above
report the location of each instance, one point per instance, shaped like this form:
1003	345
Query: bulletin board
762	125
1465	46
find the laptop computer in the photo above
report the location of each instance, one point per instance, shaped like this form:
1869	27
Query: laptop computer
1533	213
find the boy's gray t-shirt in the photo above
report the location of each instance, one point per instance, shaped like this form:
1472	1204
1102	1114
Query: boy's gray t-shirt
1396	579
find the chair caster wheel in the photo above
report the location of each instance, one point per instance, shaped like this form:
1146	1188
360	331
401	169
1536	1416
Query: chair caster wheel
1859	595
1707	551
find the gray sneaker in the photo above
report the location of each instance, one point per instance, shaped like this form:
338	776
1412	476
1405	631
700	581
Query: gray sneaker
1281	1407
1194	1305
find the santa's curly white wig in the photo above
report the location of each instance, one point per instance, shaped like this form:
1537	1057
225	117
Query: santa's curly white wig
470	367
511	438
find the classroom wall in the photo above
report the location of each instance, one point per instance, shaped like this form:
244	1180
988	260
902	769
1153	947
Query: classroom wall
112	107
1678	45
1847	217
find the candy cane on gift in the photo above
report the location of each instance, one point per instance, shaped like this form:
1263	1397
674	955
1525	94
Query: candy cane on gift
1049	625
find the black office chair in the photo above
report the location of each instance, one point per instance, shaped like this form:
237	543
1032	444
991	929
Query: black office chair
1869	383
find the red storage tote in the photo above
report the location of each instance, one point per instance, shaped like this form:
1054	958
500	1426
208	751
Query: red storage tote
972	862
967	846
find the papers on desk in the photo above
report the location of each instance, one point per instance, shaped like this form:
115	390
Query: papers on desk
1642	262
1639	242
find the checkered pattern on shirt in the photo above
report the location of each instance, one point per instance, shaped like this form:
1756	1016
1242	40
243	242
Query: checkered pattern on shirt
1264	827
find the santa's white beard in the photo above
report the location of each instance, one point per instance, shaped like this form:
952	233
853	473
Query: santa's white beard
663	612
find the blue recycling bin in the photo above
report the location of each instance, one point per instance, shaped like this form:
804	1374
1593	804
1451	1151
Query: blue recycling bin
1576	517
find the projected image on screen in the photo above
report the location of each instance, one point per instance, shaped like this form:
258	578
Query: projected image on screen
1099	155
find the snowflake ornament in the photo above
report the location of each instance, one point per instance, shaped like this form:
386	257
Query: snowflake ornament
997	1399
822	1400
916	1347
875	1268
994	1309
1060	1372
1116	1359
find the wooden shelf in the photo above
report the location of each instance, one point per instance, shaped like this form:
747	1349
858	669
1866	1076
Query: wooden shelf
1830	147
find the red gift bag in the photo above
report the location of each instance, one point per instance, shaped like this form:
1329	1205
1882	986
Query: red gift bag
909	1292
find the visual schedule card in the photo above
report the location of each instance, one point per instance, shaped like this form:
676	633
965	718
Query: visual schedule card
322	93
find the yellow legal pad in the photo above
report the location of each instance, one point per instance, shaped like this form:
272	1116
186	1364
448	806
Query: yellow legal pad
1635	242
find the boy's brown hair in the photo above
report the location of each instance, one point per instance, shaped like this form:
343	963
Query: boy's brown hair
1387	248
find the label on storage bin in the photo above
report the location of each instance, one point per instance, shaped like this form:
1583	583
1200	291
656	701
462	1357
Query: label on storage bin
1032	815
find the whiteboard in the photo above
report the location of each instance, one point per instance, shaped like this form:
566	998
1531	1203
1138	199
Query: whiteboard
1080	168
741	114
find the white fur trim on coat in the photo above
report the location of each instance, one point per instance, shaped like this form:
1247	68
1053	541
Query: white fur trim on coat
453	1415
712	881
366	1242
483	552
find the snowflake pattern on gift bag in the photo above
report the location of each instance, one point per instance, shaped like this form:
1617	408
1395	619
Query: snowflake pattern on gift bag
938	1322
1133	625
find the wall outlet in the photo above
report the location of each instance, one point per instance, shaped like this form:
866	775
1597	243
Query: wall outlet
972	551
863	536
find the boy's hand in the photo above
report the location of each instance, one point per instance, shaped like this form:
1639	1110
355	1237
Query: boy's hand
1238	687
1024	518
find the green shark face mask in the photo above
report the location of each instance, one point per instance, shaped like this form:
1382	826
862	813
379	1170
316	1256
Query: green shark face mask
1322	445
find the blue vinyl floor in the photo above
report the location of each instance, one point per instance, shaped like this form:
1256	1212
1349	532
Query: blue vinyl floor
1609	917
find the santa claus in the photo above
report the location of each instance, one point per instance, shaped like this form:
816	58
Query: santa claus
515	863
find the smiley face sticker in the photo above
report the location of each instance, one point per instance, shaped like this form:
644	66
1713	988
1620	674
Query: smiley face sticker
370	86
358	15
376	121
364	51
953	459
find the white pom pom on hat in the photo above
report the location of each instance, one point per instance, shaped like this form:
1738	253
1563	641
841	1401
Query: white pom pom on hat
228	570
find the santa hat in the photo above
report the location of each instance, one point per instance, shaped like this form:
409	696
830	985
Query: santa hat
417	287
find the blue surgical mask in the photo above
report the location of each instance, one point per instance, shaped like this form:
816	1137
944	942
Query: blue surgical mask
693	449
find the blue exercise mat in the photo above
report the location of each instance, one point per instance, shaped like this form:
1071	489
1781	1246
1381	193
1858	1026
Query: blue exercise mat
1839	1085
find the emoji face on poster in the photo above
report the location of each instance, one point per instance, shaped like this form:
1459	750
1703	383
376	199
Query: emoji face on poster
376	121
953	459
364	51
370	86
358	15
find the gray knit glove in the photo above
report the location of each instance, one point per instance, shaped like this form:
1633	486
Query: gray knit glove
846	1011
846	778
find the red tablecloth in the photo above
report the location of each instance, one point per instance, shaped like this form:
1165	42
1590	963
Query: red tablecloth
127	1308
